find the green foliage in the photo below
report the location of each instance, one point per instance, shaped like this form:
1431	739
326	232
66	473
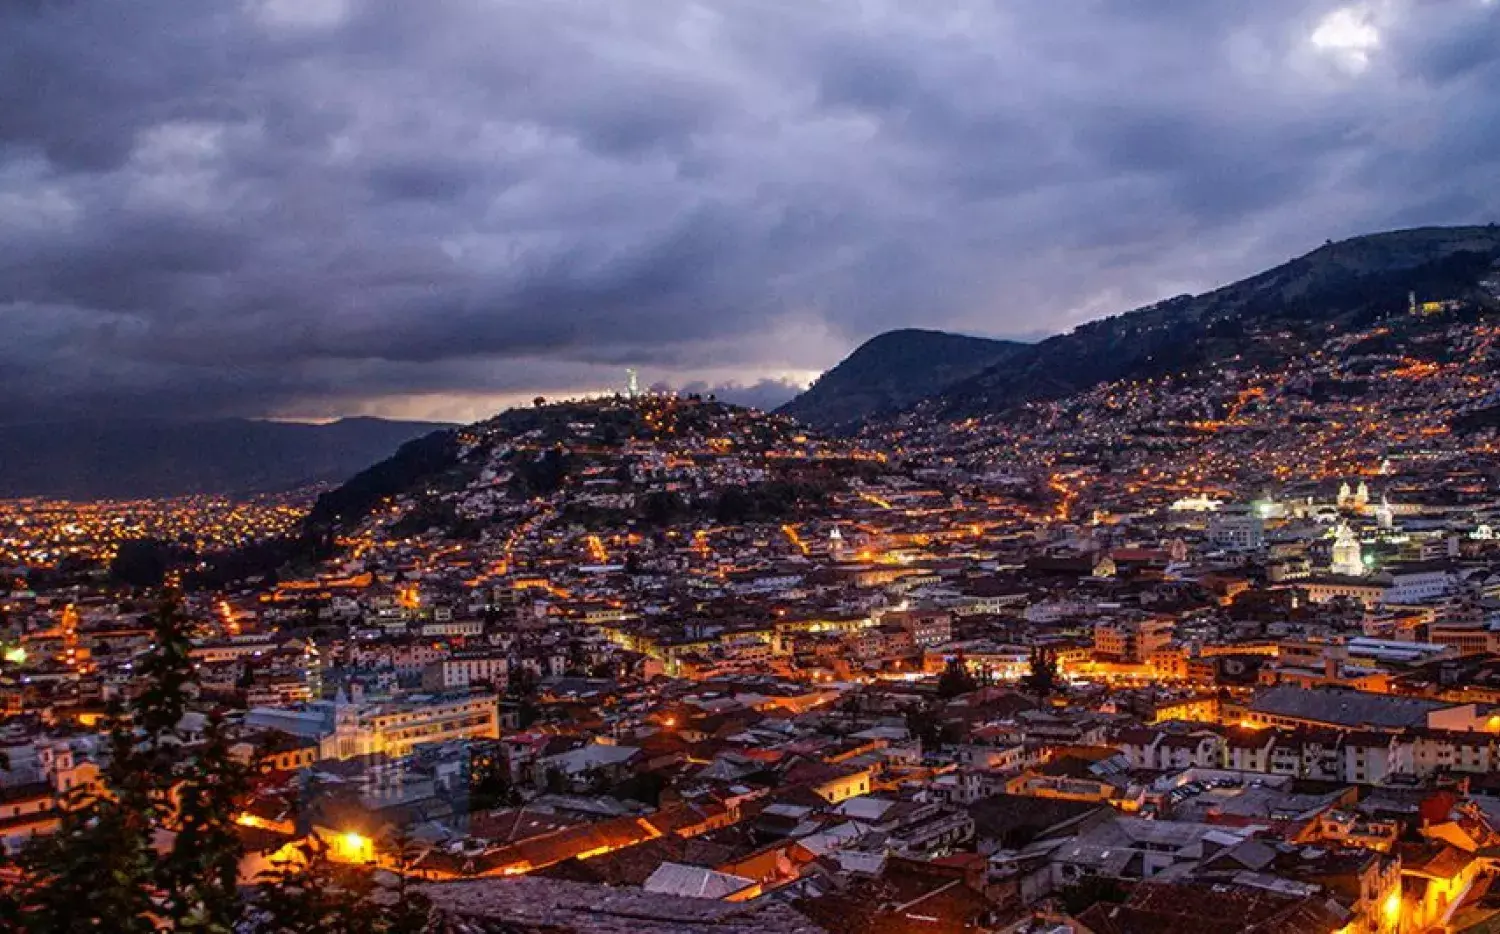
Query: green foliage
577	659
522	688
607	669
766	502
490	784
431	513
265	559
662	508
1042	677
99	870
956	679
541	475
109	868
924	722
414	462
91	869
315	893
200	875
645	787
144	562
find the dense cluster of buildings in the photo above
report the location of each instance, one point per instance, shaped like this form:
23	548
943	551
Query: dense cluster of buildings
660	664
38	535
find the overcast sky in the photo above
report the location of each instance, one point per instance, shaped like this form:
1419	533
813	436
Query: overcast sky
431	208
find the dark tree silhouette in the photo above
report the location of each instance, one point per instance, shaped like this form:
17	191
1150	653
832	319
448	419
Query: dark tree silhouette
142	562
956	679
99	870
1042	678
102	869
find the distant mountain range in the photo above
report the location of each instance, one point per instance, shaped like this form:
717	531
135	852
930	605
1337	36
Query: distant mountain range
145	458
892	372
1338	286
1260	320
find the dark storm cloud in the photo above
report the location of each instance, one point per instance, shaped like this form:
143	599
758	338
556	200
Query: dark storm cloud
763	394
318	206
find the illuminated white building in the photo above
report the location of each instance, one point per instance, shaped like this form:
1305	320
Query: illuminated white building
1385	516
343	729
1199	503
1347	556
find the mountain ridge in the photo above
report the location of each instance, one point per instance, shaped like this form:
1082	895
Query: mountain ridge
153	458
891	371
1341	284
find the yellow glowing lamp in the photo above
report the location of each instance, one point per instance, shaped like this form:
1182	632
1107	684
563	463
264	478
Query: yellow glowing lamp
16	655
1391	907
354	847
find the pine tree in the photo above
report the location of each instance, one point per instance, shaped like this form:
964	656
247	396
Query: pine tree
201	873
1042	678
311	892
924	724
315	893
490	782
409	911
92	874
956	679
100	872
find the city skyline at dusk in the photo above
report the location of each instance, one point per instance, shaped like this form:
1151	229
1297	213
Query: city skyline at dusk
326	207
758	467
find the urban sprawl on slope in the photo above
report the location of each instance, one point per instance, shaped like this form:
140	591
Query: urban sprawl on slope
1211	645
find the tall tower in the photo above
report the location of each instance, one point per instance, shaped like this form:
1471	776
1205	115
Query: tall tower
312	670
69	626
632	383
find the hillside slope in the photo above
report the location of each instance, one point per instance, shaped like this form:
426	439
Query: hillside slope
1339	286
892	371
591	461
